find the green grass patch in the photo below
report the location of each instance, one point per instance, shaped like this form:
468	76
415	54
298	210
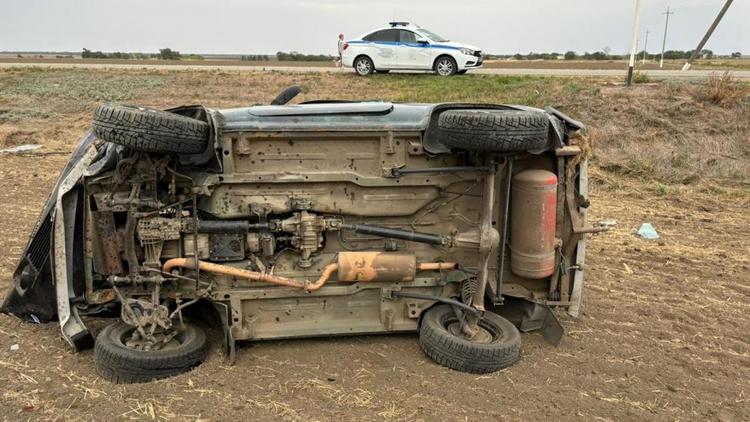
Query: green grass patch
661	189
472	89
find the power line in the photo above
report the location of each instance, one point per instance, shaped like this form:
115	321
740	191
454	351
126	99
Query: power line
634	43
710	31
664	41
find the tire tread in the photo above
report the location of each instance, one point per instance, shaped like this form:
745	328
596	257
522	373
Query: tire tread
150	130
494	130
461	355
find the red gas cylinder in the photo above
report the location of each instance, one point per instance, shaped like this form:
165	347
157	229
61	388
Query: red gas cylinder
532	223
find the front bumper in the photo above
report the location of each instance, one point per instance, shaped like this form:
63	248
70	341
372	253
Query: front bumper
471	62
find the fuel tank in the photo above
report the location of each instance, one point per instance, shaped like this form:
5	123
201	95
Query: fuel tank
532	223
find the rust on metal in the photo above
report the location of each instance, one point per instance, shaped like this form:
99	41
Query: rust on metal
108	251
373	266
246	274
376	266
351	267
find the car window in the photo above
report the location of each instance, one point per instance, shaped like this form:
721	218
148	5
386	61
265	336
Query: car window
433	36
384	35
407	36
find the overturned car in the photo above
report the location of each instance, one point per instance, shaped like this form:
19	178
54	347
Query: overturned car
315	219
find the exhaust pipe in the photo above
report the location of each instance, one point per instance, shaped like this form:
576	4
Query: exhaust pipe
350	267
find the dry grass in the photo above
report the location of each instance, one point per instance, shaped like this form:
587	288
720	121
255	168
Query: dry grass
662	133
721	90
668	133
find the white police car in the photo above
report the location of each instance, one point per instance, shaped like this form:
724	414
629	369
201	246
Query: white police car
403	46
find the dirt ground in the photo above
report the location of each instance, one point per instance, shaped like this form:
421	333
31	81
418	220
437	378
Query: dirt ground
663	334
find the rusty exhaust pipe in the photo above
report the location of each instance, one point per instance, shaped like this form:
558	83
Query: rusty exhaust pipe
251	275
350	267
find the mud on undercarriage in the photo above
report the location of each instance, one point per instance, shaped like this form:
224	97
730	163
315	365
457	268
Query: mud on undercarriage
316	219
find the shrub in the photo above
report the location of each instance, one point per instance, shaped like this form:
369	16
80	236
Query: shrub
640	78
721	90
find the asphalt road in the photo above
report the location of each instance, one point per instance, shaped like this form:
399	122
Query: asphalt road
653	74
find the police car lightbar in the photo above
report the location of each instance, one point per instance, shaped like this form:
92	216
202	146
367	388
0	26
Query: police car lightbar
393	24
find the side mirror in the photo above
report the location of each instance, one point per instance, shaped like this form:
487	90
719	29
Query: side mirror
422	40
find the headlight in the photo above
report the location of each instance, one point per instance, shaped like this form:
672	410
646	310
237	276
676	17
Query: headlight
467	51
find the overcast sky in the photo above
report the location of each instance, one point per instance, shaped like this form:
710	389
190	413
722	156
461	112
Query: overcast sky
311	26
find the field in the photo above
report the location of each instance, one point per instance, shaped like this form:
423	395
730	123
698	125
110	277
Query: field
663	333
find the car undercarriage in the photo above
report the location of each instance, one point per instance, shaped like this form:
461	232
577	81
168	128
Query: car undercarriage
318	219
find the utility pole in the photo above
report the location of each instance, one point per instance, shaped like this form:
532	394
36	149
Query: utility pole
710	31
645	45
664	42
634	43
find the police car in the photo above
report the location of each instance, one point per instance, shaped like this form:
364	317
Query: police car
403	46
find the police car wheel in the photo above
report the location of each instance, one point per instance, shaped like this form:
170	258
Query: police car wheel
445	66
363	66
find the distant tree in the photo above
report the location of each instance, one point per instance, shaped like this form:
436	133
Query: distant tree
119	55
570	55
88	54
736	55
295	56
648	55
169	54
607	51
597	55
256	58
677	54
706	54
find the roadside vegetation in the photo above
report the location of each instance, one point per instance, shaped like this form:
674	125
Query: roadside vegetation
606	54
163	54
670	133
721	90
283	56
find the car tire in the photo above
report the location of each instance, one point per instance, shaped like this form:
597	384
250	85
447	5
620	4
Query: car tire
150	130
363	66
445	66
441	342
121	364
493	130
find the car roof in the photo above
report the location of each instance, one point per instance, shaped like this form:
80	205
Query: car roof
336	116
408	27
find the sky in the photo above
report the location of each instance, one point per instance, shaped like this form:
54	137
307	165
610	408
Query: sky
311	26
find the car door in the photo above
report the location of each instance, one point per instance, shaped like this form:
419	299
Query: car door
413	54
382	47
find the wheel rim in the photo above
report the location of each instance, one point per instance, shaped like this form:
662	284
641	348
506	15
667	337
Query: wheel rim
487	333
174	343
445	67
363	66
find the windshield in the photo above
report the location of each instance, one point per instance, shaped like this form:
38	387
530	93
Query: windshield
432	36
